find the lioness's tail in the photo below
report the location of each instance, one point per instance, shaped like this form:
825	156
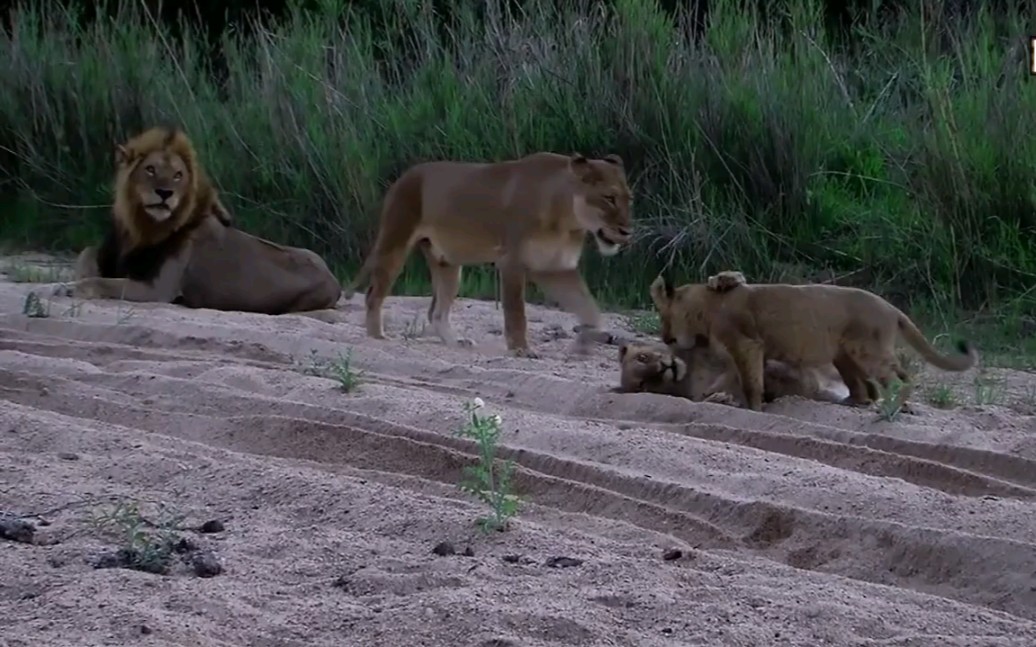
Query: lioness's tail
349	289
967	358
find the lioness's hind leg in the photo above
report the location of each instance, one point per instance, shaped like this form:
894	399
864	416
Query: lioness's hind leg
570	291
383	274
445	286
512	293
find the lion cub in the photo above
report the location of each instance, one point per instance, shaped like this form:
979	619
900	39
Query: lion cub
804	326
700	375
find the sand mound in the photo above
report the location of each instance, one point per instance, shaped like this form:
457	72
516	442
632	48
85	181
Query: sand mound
806	524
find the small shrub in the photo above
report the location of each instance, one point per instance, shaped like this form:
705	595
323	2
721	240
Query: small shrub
490	480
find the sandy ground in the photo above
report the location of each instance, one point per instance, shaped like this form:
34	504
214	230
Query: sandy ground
806	524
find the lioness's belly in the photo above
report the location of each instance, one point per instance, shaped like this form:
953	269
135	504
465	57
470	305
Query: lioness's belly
538	254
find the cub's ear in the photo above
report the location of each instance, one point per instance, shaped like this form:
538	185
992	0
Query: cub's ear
614	159
659	291
122	155
622	351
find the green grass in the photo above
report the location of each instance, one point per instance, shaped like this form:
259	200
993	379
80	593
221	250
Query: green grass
905	165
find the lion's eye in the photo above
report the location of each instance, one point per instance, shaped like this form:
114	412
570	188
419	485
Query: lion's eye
178	176
149	169
610	199
642	358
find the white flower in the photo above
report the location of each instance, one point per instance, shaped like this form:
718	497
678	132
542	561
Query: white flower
496	420
478	403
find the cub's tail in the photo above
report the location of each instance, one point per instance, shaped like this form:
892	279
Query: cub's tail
966	358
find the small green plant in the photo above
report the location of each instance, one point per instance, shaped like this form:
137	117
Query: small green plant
989	389
646	323
144	545
488	481
341	369
892	400
33	307
942	397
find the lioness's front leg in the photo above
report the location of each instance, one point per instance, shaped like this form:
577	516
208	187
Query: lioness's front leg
570	291
445	286
512	289
86	264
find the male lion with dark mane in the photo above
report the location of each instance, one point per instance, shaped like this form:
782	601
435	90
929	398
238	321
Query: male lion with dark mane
804	326
172	240
529	216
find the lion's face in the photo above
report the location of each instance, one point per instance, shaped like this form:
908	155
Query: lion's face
158	181
680	313
604	201
644	363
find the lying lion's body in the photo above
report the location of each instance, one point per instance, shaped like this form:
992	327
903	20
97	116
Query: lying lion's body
171	240
804	326
700	374
529	216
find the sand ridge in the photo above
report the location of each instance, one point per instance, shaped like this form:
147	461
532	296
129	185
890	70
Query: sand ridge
804	524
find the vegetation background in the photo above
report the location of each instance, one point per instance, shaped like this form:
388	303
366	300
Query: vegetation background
887	145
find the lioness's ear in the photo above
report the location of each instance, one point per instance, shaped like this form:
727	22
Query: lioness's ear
614	159
581	166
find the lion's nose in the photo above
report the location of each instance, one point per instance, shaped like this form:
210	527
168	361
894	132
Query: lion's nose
164	194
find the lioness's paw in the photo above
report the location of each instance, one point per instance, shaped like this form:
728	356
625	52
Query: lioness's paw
721	397
62	290
525	352
464	342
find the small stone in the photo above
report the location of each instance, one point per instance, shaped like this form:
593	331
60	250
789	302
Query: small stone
146	630
211	526
68	456
184	545
562	562
469	552
16	529
671	554
444	548
205	564
512	559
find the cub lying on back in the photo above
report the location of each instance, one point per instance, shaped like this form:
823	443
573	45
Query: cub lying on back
805	326
700	375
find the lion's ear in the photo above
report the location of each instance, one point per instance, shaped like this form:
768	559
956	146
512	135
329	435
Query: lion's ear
122	155
614	159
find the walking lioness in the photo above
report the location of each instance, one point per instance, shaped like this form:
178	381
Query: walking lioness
529	216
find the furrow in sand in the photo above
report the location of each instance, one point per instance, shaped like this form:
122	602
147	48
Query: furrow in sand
924	559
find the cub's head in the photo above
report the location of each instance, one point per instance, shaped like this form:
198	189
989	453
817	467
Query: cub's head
603	201
645	367
681	311
156	178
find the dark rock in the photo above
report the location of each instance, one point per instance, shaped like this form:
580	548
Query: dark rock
562	562
211	526
444	548
671	554
15	529
205	564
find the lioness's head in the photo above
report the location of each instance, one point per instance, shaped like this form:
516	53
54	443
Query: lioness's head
644	365
681	312
155	174
603	201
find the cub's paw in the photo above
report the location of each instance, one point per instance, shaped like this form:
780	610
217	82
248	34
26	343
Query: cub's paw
725	281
